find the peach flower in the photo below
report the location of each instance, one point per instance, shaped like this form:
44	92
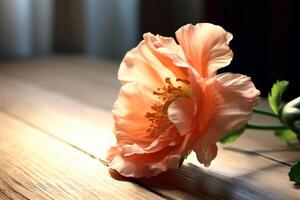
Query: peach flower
172	101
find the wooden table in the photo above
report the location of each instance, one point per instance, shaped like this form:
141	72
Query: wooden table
55	128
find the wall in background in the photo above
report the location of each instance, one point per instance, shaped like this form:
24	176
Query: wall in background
15	28
69	26
25	27
43	23
96	27
165	17
265	40
111	27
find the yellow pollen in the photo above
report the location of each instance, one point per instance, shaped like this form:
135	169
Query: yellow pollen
159	120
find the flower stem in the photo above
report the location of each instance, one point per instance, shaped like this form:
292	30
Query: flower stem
262	112
261	127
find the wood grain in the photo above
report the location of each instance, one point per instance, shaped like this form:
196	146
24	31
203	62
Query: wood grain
36	166
237	173
82	78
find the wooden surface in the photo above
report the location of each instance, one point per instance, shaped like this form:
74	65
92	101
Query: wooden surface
55	128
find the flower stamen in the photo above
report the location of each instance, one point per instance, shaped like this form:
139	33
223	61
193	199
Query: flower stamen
159	120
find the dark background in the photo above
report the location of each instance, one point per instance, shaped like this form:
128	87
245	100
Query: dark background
265	43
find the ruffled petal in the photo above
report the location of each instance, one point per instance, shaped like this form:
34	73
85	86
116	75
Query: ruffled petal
138	66
165	140
168	52
205	47
154	59
236	96
181	113
132	168
147	164
207	154
129	110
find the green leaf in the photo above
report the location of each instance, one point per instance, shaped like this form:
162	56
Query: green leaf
286	134
232	136
294	173
275	95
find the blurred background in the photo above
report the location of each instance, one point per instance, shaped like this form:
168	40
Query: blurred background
265	33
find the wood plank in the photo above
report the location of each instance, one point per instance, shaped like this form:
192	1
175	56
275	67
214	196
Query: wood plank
3	196
235	174
94	82
76	76
36	166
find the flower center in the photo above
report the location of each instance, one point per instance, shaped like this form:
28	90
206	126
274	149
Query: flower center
159	121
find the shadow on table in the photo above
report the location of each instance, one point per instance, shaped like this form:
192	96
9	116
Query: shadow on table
193	182
295	148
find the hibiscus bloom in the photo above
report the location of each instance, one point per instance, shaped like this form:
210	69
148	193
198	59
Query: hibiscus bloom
173	102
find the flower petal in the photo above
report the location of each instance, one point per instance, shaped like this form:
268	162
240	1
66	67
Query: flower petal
181	113
134	168
133	102
136	64
207	154
148	164
163	141
154	59
169	53
237	96
205	47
